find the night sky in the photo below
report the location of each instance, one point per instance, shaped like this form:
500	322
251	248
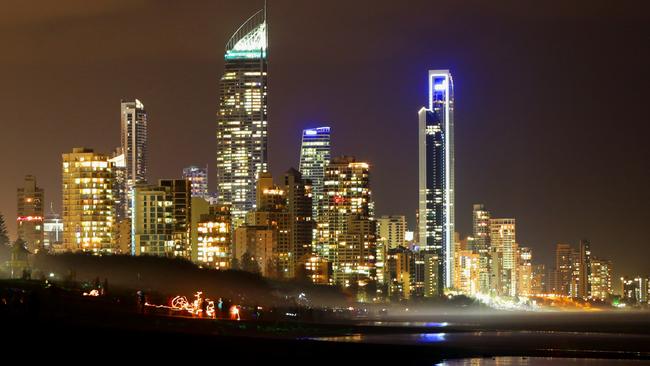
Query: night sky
551	100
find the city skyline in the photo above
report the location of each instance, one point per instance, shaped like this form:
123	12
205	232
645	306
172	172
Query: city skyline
344	143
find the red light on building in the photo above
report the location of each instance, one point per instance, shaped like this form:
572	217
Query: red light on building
29	218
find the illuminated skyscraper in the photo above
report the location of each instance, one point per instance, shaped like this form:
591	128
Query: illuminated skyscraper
347	232
161	219
299	207
133	118
436	176
600	278
481	244
272	214
525	272
538	279
563	270
214	238
504	256
391	234
30	214
584	263
182	214
153	221
88	205
315	155
242	117
120	194
198	178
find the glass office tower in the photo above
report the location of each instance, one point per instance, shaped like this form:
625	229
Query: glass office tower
436	175
314	158
242	117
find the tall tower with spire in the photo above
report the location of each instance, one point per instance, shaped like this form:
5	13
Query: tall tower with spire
436	225
242	116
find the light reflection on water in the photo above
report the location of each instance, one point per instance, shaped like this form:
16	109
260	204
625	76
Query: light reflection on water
432	337
409	324
539	361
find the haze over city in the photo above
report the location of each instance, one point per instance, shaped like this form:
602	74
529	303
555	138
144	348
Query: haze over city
549	120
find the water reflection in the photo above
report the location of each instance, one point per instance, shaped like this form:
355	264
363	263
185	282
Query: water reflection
432	337
408	324
539	361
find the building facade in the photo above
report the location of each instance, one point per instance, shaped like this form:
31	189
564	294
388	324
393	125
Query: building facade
525	272
53	231
391	234
600	279
272	213
480	244
299	196
392	229
504	256
30	200
88	204
198	178
539	279
436	175
254	249
152	221
214	249
347	231
563	270
242	117
315	155
398	273
133	118
182	214
584	269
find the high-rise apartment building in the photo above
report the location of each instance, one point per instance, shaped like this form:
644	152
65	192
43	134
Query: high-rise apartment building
214	238
152	216
539	279
480	244
120	194
272	214
254	249
88	203
299	208
161	218
315	155
392	229
630	290
347	231
182	211
563	270
133	119
600	278
584	271
391	234
30	214
525	272
466	270
398	273
436	175
504	256
242	117
198	178
641	287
